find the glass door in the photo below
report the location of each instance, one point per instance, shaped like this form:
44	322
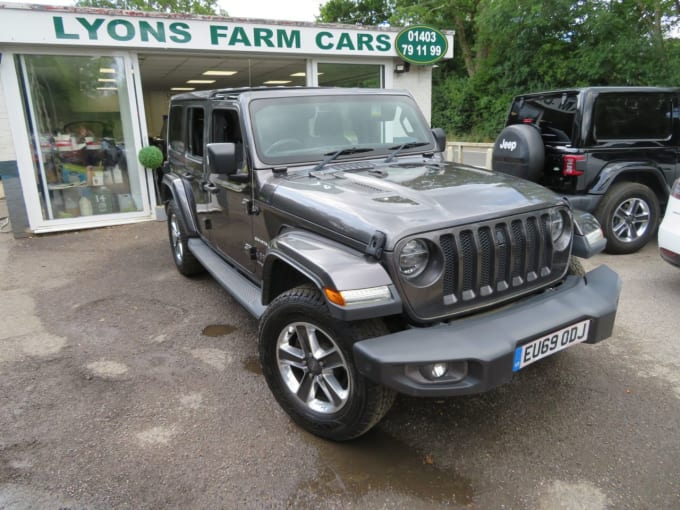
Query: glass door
82	136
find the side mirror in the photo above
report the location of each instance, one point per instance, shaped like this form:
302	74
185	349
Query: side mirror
440	139
222	158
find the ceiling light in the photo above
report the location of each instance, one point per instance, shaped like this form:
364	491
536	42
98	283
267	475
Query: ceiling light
298	75
107	88
277	82
219	73
200	82
107	80
182	88
107	70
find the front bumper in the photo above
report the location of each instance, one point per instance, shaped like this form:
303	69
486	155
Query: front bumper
487	341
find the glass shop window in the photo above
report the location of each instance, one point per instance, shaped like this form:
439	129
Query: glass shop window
81	128
350	75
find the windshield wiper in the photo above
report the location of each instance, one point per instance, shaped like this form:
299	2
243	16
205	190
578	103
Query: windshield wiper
330	156
399	148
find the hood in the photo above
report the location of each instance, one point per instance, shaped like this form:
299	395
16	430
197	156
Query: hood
402	199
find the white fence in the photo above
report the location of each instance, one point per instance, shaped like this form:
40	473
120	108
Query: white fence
476	154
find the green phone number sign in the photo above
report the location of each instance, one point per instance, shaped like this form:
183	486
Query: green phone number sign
421	44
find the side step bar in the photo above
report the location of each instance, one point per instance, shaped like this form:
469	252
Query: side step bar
238	286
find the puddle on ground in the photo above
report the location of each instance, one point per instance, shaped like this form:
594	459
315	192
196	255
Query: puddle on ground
252	364
218	330
377	462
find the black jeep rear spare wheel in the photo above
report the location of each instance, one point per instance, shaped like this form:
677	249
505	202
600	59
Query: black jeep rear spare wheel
307	360
184	260
629	214
519	151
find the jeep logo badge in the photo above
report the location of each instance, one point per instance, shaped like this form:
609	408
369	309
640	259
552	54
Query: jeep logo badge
508	145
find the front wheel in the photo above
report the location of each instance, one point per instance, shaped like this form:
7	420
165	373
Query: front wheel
576	267
307	361
629	214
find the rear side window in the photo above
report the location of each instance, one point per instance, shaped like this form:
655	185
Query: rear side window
196	128
633	117
175	138
554	114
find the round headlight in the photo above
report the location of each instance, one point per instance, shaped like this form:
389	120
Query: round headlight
560	228
413	258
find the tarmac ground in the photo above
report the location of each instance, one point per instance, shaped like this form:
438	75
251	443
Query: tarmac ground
126	385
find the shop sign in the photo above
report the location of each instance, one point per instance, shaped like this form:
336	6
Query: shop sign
421	44
87	29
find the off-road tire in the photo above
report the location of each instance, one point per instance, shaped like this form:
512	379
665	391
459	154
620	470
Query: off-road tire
185	261
629	216
292	319
576	267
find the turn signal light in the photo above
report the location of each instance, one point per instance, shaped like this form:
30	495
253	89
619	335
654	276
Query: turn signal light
570	164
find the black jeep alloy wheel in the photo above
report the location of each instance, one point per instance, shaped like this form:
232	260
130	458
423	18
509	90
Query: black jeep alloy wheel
629	215
307	360
184	260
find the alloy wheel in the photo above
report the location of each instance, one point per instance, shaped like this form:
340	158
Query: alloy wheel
313	368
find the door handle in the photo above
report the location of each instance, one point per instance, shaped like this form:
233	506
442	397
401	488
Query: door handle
188	176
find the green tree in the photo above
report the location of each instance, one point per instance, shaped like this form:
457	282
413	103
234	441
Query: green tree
364	12
205	7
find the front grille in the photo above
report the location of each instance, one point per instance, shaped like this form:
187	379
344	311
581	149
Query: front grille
485	262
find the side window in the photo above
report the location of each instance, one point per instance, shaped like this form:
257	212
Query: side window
175	138
226	128
633	116
196	121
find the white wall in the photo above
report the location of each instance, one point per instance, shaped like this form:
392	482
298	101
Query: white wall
6	142
418	81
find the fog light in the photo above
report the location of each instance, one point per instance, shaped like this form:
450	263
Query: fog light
440	371
434	371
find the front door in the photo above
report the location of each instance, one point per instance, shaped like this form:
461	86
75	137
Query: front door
230	222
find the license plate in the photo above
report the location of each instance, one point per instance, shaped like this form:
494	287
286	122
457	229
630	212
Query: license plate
550	344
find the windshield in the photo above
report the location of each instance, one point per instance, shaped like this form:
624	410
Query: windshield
304	129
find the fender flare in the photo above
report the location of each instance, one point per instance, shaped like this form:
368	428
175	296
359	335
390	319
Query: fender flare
328	264
611	173
181	193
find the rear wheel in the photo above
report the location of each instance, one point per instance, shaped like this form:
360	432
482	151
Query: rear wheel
307	360
185	261
629	214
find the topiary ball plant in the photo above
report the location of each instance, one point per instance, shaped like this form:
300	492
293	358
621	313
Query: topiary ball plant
150	157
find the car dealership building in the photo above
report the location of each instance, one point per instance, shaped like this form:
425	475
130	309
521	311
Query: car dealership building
83	90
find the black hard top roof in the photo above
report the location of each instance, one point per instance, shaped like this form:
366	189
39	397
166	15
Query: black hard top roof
234	93
589	90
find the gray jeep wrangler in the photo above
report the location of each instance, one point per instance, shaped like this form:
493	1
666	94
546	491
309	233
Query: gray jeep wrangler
373	266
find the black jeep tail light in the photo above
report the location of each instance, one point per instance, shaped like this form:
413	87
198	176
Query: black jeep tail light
572	164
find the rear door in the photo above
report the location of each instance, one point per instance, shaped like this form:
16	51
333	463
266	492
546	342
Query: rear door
186	136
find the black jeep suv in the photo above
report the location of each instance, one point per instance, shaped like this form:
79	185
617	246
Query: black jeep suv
373	266
612	151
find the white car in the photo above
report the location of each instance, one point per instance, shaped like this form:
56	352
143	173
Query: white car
669	231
